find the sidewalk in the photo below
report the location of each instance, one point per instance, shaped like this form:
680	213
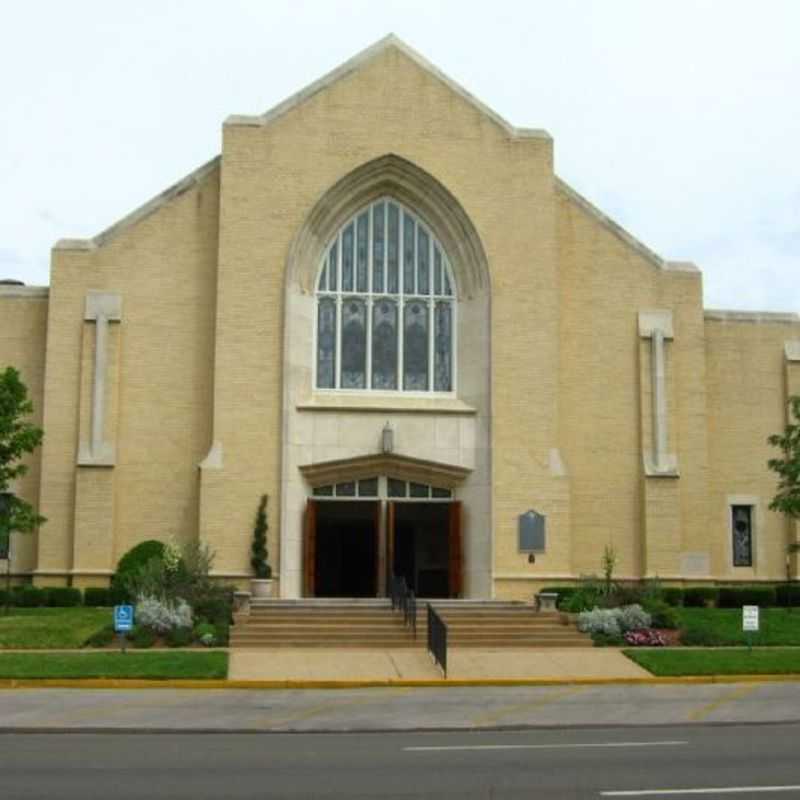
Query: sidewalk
354	664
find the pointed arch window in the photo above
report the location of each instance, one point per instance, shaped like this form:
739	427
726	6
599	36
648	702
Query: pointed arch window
386	307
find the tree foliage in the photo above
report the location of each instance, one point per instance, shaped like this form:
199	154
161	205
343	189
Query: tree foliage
18	438
787	467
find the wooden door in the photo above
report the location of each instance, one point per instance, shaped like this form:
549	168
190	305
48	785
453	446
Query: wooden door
455	550
310	548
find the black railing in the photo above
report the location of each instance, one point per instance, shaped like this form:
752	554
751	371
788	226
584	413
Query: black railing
437	638
403	600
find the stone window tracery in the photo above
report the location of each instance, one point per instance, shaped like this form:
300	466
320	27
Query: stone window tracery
385	312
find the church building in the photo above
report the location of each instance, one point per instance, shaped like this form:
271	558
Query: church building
381	307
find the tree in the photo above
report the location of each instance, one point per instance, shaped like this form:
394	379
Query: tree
787	467
18	437
787	498
259	562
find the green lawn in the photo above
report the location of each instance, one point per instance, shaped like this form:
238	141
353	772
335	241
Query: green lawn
778	625
154	665
674	662
56	628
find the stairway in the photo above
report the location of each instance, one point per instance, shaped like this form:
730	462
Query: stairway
323	623
371	623
503	624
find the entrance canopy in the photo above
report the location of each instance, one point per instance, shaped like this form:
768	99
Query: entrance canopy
393	466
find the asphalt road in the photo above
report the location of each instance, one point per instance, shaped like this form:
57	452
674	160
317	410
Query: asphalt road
734	761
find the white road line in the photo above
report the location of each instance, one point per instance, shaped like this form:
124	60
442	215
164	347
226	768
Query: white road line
719	790
441	748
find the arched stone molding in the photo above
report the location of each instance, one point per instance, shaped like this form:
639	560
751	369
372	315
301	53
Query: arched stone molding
394	176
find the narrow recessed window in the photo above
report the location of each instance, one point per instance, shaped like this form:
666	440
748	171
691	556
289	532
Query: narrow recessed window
386	308
742	532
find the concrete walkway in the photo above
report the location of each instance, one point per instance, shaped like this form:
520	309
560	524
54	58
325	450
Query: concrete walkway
416	664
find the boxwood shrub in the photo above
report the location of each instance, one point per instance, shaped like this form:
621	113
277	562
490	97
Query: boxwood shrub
698	596
674	596
563	592
787	594
31	597
738	596
64	597
97	596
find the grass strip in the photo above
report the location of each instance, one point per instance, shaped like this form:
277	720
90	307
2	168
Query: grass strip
728	661
779	627
152	666
50	628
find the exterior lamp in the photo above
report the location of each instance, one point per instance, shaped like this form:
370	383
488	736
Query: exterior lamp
387	438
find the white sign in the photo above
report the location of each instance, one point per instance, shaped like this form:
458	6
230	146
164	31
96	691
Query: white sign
749	618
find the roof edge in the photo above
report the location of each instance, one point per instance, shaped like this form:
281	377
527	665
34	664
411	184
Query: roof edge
24	291
354	63
142	212
762	317
620	232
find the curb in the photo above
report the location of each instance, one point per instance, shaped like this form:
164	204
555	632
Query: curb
440	683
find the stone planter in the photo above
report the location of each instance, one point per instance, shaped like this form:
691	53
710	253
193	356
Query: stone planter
261	588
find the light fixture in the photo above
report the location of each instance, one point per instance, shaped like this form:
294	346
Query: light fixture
387	438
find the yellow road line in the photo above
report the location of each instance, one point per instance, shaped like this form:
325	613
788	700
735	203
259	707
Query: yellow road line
737	694
504	711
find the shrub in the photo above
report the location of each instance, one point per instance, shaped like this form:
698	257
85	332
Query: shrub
31	597
607	640
259	561
673	596
101	638
701	637
663	615
699	596
118	596
205	633
138	556
180	637
64	597
600	620
222	633
97	597
787	595
161	616
142	637
645	638
633	618
216	606
738	596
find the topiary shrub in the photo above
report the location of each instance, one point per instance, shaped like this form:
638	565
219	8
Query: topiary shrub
206	634
180	637
699	596
101	638
97	597
738	596
64	597
259	562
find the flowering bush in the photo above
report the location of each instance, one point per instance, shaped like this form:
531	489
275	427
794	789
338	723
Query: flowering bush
162	616
600	620
646	637
613	621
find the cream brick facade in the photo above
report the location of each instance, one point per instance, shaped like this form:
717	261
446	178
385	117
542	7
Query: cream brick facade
592	386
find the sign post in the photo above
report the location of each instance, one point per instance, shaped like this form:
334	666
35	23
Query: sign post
123	622
750	624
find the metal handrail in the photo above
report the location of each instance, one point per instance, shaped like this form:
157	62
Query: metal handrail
437	638
403	599
410	615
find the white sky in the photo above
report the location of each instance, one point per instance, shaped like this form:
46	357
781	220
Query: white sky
681	120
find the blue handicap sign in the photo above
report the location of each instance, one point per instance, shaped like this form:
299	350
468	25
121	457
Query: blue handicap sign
123	618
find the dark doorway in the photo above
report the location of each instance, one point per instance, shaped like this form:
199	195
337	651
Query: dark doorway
422	547
346	549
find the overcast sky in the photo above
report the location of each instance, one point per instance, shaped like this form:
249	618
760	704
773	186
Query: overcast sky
681	120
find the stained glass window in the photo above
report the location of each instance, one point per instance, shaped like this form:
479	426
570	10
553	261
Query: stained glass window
742	522
385	305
